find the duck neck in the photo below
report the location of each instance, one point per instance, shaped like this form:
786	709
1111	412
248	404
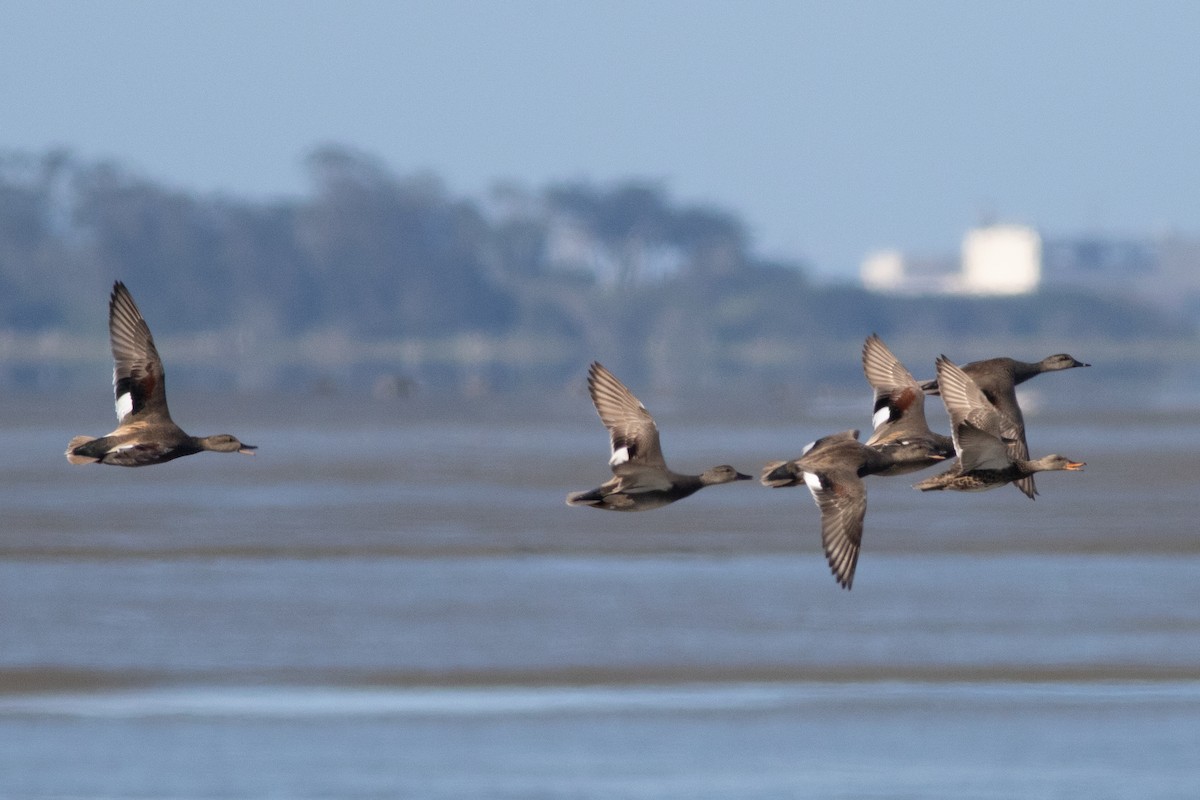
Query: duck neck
1030	467
876	461
199	443
208	443
1024	370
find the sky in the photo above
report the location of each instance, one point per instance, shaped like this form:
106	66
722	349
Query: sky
832	129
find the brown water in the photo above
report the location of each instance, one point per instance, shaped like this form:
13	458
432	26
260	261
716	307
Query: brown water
393	600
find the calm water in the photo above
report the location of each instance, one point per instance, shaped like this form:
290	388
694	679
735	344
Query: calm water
392	600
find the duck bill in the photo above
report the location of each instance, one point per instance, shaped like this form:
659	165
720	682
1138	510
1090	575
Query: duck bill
247	449
1076	466
741	477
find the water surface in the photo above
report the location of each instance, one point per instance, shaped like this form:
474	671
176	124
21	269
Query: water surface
393	600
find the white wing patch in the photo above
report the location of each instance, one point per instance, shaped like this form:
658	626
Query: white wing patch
881	416
808	447
619	456
124	405
813	480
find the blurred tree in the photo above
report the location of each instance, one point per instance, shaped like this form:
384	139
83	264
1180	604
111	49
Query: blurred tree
714	241
37	273
159	241
272	280
628	221
518	234
368	256
395	255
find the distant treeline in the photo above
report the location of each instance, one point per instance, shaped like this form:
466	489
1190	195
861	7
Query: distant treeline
537	280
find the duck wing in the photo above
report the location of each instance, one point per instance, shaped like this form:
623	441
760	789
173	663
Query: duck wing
899	408
979	449
842	498
966	403
829	442
1013	430
632	432
138	383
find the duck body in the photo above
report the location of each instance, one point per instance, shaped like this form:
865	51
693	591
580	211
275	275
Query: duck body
981	479
126	450
641	480
839	452
641	490
995	377
133	447
913	454
982	440
833	469
146	434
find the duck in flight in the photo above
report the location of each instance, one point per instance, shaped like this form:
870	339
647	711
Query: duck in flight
998	378
641	479
833	469
981	431
145	434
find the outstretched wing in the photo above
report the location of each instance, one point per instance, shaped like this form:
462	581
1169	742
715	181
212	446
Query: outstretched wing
842	498
632	431
899	407
138	383
1013	431
980	449
966	403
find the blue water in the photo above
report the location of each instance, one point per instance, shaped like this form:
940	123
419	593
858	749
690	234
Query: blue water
396	602
861	740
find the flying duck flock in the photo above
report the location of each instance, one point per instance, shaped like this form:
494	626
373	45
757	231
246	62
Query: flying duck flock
987	436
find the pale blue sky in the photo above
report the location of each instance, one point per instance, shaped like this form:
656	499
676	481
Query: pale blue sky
832	128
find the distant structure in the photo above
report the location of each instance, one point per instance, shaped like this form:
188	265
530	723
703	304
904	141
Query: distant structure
1105	264
1001	259
998	260
572	248
894	272
994	260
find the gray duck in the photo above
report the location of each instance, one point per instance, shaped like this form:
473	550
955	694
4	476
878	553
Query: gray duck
641	479
998	378
833	468
980	430
145	433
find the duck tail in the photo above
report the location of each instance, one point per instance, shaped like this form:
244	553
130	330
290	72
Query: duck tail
588	498
935	482
779	474
79	458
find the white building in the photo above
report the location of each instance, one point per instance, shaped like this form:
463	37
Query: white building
994	260
998	260
894	272
1001	259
